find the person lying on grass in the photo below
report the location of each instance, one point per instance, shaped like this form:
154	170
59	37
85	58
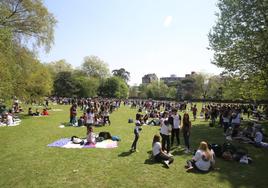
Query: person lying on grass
158	154
203	160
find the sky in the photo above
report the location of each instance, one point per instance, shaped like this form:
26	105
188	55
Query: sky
143	36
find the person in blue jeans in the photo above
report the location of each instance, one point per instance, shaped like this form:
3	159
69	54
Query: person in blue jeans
137	130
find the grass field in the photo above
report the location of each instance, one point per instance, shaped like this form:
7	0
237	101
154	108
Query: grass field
26	161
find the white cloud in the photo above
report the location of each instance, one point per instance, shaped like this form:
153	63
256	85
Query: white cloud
167	21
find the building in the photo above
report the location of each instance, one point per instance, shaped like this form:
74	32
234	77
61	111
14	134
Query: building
149	78
171	80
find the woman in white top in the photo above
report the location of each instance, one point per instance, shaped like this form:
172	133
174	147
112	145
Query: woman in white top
236	119
203	159
89	119
165	132
158	154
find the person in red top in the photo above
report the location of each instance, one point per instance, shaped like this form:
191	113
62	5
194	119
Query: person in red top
45	112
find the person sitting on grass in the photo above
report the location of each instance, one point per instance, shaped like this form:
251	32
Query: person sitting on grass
91	139
258	140
30	112
45	112
158	154
203	160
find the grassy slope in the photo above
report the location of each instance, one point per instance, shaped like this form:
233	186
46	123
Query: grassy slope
26	161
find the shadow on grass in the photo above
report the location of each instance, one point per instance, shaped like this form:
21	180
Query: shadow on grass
24	116
238	175
125	154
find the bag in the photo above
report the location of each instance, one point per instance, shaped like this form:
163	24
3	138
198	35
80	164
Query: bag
217	149
77	140
130	120
105	135
99	139
240	153
228	147
227	156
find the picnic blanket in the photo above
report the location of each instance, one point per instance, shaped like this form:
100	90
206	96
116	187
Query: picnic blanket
67	143
15	123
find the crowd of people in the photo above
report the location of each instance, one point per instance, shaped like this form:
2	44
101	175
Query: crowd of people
165	114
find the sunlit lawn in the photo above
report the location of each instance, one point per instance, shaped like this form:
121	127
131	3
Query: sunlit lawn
26	161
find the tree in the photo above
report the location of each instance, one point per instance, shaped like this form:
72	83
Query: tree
6	59
87	87
59	66
122	73
134	91
65	85
39	82
28	19
113	87
93	66
240	38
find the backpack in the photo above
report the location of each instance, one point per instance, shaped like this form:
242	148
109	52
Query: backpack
240	152
228	147
217	149
105	135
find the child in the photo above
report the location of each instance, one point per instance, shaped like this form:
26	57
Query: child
91	137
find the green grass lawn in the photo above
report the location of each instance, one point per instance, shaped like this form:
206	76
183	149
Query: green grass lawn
26	161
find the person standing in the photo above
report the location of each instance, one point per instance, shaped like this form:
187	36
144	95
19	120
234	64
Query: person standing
89	119
73	113
186	129
137	130
165	131
176	127
194	112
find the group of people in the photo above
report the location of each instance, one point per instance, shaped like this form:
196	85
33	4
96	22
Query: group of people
37	112
171	124
95	111
8	117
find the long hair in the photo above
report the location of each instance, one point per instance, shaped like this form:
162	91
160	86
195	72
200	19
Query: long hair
156	139
186	120
204	147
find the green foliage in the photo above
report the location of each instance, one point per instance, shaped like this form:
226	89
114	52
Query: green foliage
39	82
248	88
93	66
65	85
88	87
113	87
58	66
21	73
28	19
157	90
239	39
122	73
